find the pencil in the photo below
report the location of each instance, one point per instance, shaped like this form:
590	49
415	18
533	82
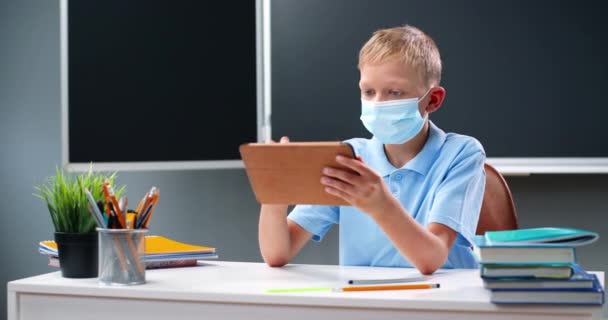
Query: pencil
391	287
382	281
150	210
358	288
111	198
94	209
120	253
134	253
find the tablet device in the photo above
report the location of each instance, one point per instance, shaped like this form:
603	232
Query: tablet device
290	173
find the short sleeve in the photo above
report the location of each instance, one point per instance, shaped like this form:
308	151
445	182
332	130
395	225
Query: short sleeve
458	198
315	219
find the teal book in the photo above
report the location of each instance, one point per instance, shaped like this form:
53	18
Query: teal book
522	253
546	236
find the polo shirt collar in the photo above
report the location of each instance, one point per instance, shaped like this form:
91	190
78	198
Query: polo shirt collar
421	163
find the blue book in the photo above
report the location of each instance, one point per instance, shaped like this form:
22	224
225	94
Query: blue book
547	236
579	279
525	254
591	296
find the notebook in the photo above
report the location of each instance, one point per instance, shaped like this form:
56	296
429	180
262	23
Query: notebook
161	264
290	173
579	279
558	236
158	248
522	253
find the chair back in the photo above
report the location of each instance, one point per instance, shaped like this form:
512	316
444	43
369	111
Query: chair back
497	209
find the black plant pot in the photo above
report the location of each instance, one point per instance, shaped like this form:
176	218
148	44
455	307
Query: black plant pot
77	254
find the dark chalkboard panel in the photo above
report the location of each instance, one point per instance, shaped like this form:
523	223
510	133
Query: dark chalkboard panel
526	78
160	80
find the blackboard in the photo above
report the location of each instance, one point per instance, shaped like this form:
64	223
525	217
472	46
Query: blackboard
159	80
526	78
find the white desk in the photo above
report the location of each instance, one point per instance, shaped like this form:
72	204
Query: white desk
229	290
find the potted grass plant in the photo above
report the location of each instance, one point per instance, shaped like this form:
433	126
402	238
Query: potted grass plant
75	232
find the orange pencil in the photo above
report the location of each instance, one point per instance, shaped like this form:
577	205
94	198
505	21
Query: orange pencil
140	205
392	287
153	202
120	254
109	196
359	288
141	208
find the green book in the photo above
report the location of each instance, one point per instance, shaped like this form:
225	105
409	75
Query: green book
529	271
578	279
557	236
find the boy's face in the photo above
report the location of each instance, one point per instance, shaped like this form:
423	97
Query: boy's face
391	80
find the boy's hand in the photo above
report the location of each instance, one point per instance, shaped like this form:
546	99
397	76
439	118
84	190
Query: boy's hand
284	139
363	188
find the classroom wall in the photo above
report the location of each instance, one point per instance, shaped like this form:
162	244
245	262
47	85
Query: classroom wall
206	207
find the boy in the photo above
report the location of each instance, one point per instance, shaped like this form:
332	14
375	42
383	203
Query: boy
417	193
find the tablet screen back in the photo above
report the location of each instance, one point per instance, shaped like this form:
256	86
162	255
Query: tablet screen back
290	173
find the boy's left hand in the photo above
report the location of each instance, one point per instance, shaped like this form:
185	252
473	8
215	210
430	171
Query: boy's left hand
363	188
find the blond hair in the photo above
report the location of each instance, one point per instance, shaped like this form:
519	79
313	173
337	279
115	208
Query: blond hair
408	44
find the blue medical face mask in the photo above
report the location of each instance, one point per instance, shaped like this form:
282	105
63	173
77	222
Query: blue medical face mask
393	121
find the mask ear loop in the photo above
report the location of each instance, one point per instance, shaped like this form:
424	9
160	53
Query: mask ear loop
426	116
424	95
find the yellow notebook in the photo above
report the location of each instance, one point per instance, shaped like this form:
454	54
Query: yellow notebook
162	245
156	246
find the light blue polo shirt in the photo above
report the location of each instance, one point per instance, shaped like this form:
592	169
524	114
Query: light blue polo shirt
444	183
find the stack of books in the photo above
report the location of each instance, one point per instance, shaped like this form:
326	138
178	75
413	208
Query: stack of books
160	252
537	266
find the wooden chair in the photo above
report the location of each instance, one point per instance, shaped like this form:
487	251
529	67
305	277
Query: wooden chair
497	209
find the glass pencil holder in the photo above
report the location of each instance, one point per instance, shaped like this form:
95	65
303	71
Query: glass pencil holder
122	256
